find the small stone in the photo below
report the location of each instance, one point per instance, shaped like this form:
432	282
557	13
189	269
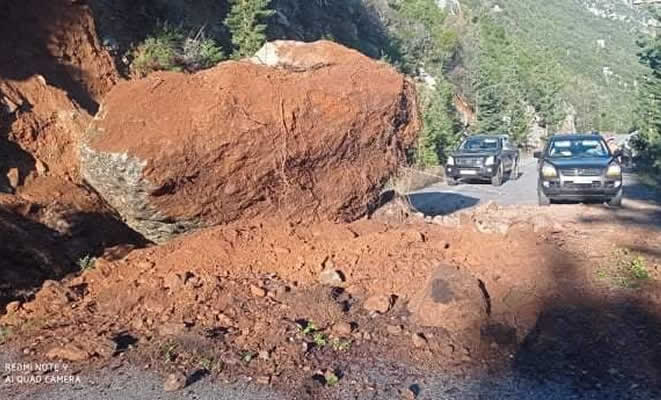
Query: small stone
419	340
69	353
264	355
394	329
257	291
173	281
263	380
342	329
407	394
378	303
175	381
13	177
330	277
40	167
13	307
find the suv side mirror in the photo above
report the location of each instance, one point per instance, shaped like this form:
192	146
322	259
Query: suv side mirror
537	154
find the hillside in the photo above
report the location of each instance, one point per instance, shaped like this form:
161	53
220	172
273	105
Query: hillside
593	41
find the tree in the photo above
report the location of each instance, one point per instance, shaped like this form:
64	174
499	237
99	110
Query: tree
245	22
649	107
439	133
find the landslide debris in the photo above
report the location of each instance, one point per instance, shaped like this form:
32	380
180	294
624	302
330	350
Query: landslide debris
312	135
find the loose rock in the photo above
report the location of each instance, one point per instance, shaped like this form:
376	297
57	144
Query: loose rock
330	277
69	353
378	303
257	291
419	340
175	381
342	329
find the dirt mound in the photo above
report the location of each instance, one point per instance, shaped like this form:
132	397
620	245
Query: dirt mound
175	152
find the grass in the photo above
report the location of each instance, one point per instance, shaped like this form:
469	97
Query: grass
331	378
248	356
169	352
5	333
320	339
627	270
170	48
86	263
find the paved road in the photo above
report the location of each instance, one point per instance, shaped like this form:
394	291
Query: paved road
441	199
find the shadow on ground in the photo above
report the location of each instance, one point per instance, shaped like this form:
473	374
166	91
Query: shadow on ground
441	203
31	252
599	342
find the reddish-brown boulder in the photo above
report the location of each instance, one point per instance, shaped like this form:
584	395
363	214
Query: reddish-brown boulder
315	139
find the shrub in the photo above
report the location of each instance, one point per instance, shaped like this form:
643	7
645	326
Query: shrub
171	49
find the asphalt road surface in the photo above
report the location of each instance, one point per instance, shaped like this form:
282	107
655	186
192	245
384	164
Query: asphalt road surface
441	199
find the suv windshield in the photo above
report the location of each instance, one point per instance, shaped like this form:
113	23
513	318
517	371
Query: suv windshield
474	145
578	148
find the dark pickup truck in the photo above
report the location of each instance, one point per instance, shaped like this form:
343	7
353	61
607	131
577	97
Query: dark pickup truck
579	167
483	157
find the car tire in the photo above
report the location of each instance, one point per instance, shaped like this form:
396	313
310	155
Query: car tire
497	180
542	199
616	201
514	175
452	181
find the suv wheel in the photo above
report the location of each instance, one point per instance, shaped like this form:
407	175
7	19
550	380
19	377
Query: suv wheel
616	201
497	179
542	199
451	181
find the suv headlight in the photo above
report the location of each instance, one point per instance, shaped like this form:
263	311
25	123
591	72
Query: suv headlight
549	171
450	160
614	171
491	160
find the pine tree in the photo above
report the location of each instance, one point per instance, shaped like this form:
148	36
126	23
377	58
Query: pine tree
649	108
245	21
440	133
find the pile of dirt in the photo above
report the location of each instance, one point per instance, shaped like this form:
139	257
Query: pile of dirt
281	300
314	136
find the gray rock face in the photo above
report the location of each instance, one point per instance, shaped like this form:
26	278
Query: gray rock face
134	204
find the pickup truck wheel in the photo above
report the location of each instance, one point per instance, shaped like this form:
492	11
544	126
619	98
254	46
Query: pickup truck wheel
616	201
542	199
497	179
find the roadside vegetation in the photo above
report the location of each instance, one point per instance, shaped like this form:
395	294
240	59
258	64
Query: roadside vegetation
649	107
626	270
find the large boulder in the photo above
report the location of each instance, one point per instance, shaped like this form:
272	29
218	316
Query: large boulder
300	140
451	299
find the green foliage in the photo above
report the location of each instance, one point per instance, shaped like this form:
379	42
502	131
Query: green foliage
649	105
86	263
439	134
510	76
171	49
626	270
245	22
331	378
421	37
567	32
